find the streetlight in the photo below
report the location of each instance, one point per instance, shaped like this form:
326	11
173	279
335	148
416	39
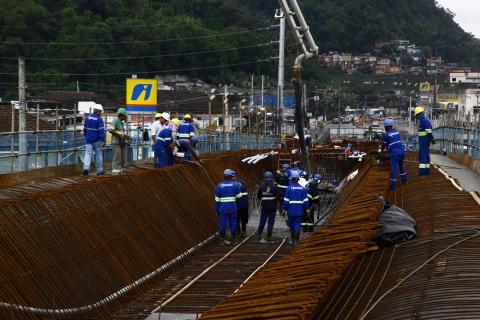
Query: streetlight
211	96
240	108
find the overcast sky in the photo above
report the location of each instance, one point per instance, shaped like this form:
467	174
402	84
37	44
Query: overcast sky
467	14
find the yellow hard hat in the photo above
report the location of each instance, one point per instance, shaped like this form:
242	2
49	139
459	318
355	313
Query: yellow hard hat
418	110
187	116
176	121
158	115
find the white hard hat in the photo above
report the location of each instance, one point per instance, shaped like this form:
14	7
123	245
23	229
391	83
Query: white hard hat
166	116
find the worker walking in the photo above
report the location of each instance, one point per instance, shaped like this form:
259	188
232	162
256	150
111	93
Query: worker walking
94	131
425	137
120	142
313	197
185	131
268	194
281	179
396	150
164	144
295	202
242	207
226	195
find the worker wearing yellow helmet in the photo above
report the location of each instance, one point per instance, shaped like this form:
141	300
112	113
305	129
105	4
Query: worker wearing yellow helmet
176	122
185	132
425	137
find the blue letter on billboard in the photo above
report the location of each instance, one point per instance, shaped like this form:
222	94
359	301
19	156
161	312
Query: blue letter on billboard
139	89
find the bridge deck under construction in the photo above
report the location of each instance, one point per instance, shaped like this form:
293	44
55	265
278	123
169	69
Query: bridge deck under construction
124	247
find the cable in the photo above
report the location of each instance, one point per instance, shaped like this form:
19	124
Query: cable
143	57
149	25
139	41
144	72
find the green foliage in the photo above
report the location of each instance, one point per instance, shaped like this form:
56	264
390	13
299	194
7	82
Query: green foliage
347	25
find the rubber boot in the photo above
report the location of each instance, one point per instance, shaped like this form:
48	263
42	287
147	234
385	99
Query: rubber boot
297	237
269	238
292	237
234	237
223	242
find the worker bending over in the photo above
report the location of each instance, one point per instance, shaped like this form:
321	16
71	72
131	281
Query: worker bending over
295	202
425	137
396	150
242	207
268	194
185	133
164	143
226	195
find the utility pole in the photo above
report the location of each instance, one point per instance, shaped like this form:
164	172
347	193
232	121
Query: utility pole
22	116
78	86
308	50
225	108
281	69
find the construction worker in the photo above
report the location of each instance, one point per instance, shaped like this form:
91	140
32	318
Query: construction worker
155	129
268	194
295	168
396	150
94	131
189	145
226	195
164	145
120	142
295	202
313	197
173	125
281	179
425	137
242	207
348	150
185	131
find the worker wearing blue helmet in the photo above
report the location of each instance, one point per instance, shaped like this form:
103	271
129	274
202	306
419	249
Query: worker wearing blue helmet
396	149
226	195
295	202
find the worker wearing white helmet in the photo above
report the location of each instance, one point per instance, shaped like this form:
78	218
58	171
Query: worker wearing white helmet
164	144
156	127
425	137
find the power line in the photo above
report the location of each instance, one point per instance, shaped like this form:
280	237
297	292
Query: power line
144	57
150	25
139	41
145	72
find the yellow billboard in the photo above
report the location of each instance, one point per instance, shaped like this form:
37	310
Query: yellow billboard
424	86
141	92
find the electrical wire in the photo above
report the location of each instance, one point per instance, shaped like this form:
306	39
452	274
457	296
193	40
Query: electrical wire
145	72
191	53
135	26
271	27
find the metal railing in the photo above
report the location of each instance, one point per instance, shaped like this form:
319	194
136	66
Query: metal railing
50	148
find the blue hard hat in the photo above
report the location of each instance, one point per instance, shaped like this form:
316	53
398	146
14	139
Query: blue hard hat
296	163
234	173
229	173
388	122
285	166
295	175
334	182
349	145
268	175
318	176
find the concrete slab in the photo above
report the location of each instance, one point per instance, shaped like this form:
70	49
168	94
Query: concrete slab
172	316
466	177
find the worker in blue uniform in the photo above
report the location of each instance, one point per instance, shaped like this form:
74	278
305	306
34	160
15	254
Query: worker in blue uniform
226	195
396	149
281	179
185	131
268	194
296	168
313	198
163	152
295	202
425	137
242	207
